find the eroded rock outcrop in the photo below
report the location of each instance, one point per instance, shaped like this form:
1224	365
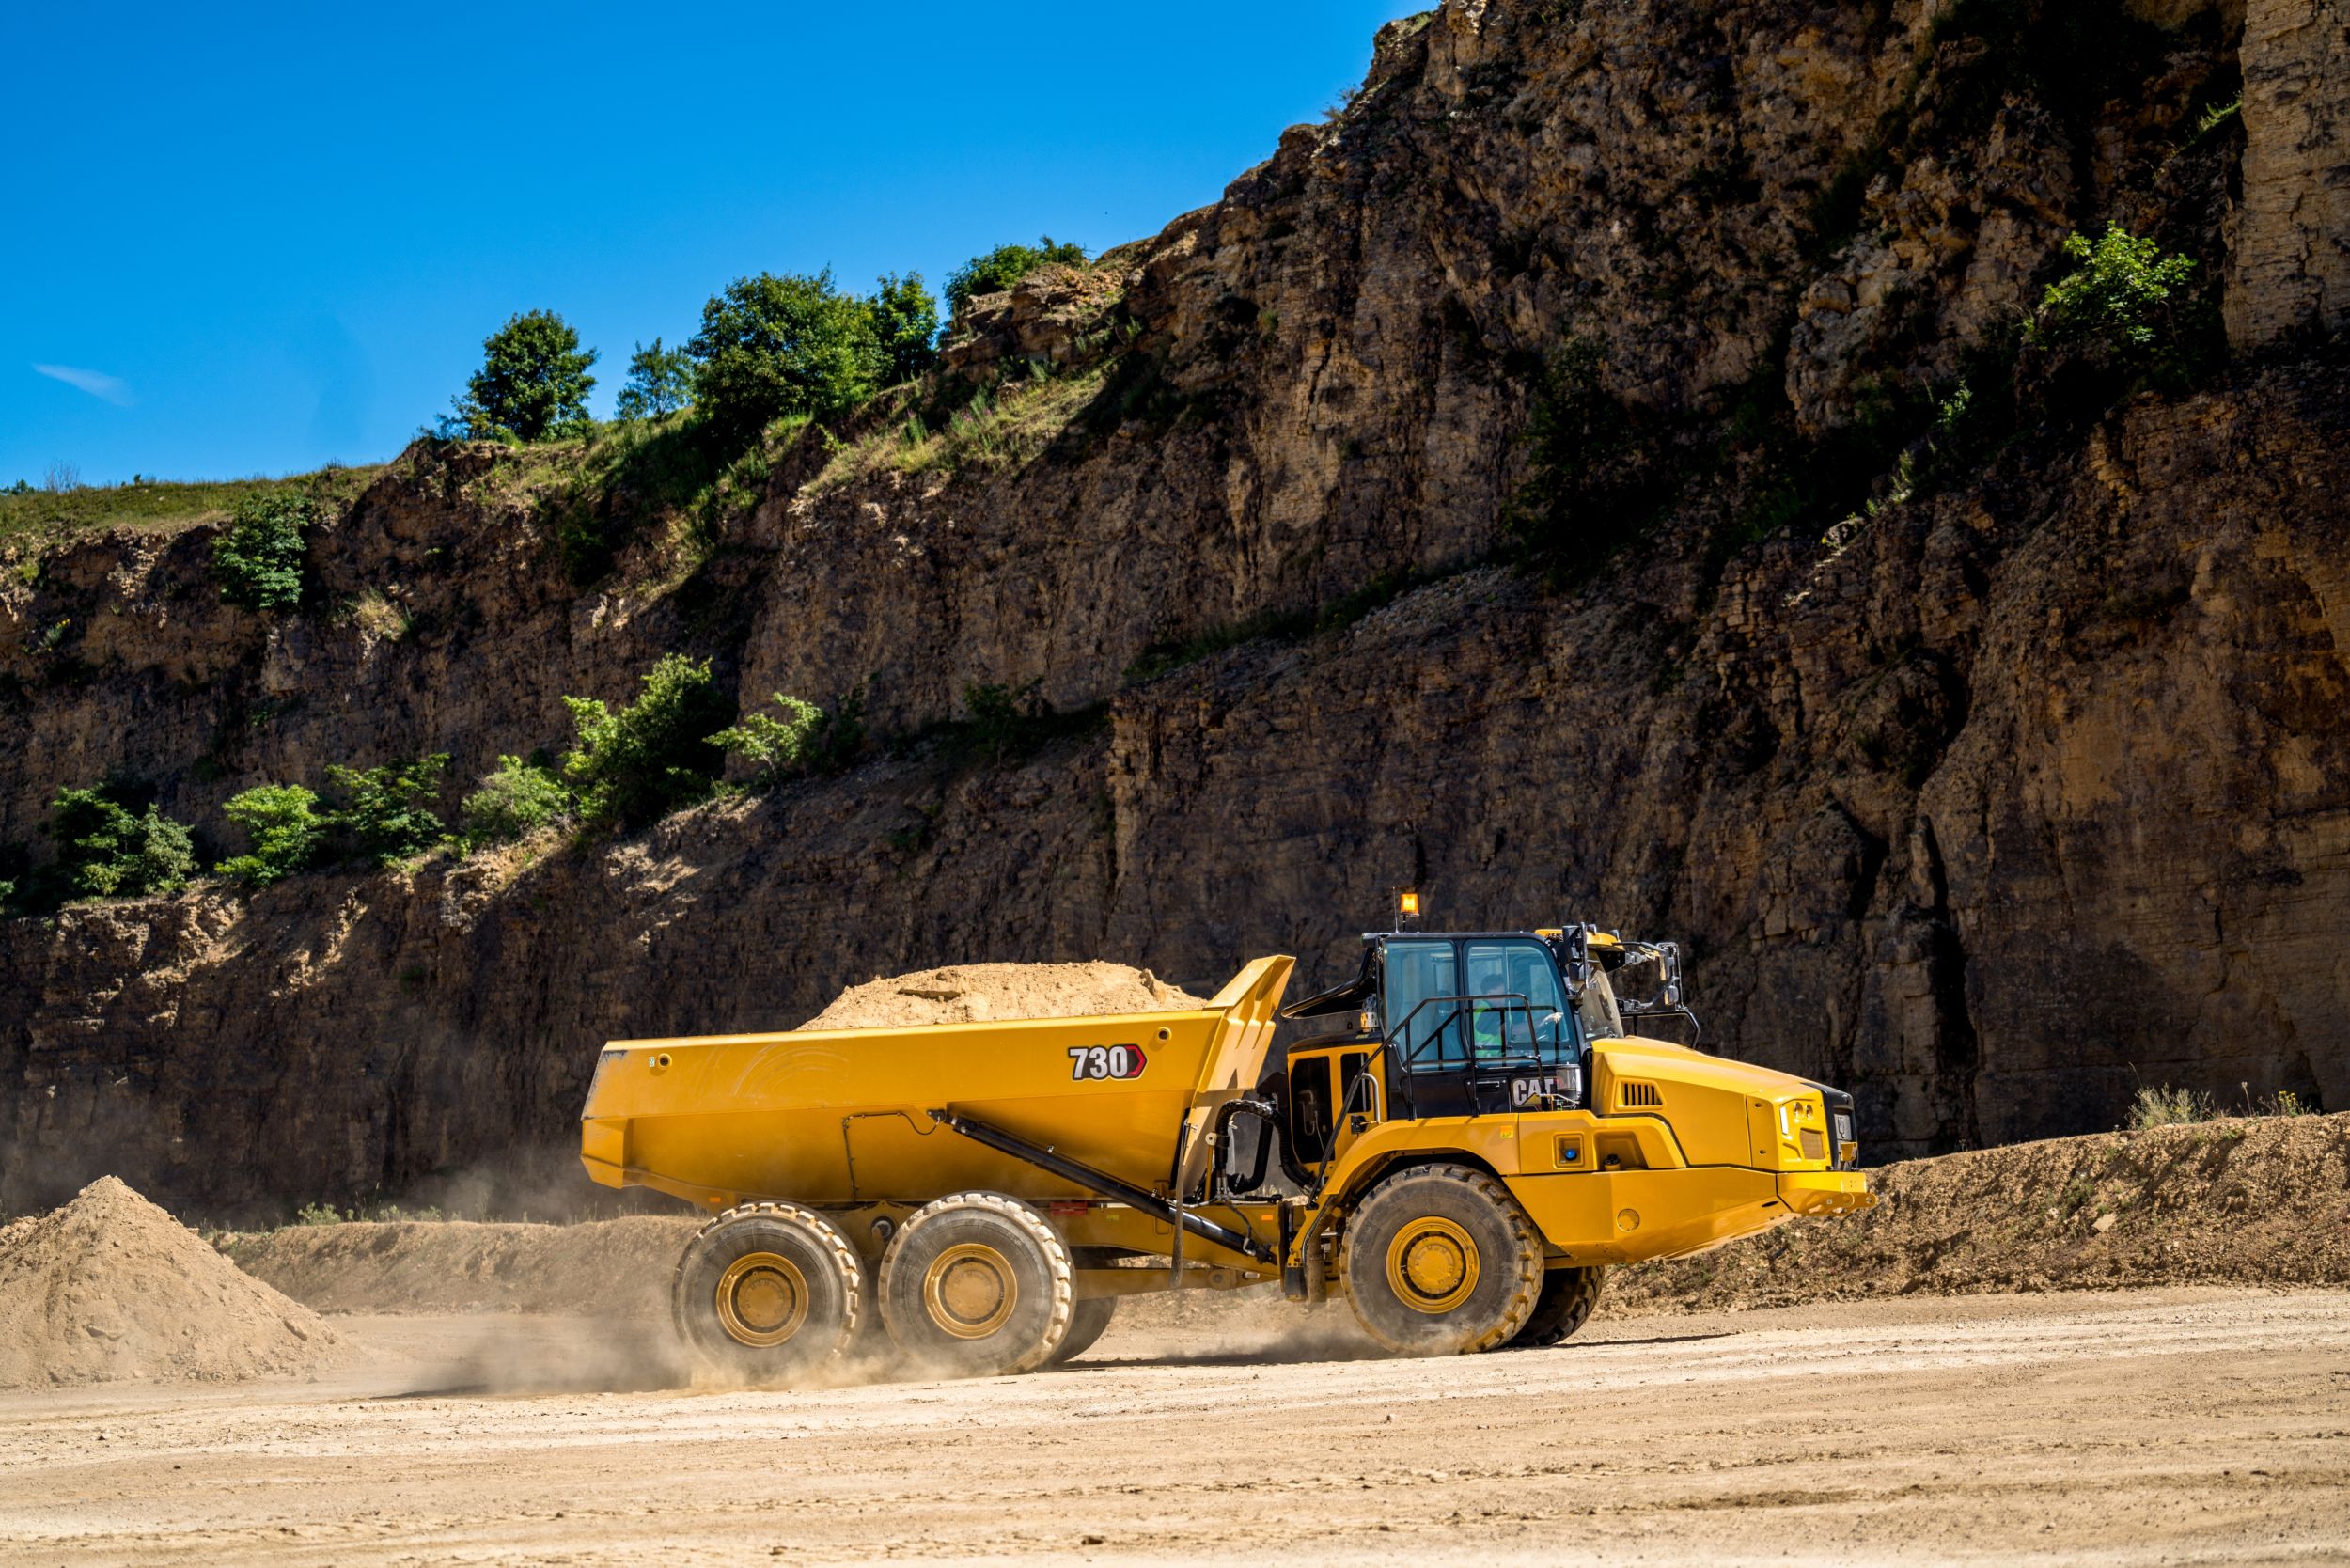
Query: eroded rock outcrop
2290	264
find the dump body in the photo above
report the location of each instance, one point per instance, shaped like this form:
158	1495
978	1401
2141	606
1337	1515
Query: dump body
843	1116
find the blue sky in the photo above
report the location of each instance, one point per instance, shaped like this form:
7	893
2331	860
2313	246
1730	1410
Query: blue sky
248	240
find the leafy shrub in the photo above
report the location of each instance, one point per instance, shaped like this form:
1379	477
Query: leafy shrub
779	344
258	561
906	323
287	831
533	384
514	801
655	755
772	746
1004	266
2118	299
660	380
105	850
387	811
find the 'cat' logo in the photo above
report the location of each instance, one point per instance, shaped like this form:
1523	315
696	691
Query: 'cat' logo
1106	1061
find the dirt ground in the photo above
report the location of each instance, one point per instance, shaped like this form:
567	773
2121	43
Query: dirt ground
2176	1425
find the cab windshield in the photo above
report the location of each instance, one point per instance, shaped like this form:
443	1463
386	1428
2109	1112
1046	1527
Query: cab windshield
1450	1002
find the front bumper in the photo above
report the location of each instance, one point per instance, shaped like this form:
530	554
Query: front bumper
1826	1192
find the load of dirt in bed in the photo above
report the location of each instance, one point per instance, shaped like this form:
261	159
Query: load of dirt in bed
111	1288
2240	1201
981	993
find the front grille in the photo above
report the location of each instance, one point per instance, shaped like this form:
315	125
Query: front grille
1814	1146
1631	1094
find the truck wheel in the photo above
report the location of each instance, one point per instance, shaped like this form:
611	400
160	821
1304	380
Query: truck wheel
1566	1302
1087	1318
1441	1260
768	1291
978	1284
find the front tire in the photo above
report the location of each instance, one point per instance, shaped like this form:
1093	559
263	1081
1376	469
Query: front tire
1565	1305
977	1285
1441	1260
768	1291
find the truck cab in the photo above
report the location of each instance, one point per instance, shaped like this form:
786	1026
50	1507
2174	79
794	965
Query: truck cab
1484	1024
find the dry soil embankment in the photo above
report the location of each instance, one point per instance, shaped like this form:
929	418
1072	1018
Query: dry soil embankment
2234	1202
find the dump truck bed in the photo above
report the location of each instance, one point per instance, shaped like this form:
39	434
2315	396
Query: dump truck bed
843	1116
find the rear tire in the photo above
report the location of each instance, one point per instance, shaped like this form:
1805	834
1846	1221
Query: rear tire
1087	1318
1565	1305
977	1285
1441	1260
768	1291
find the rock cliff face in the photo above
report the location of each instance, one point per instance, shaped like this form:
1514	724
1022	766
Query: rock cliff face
2291	271
2024	785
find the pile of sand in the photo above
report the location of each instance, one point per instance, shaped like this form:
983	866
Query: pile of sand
981	993
111	1287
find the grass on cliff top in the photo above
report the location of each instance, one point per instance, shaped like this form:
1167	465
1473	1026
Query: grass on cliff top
44	517
1006	427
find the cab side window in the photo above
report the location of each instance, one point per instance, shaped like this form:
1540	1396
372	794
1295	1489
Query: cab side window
1423	1036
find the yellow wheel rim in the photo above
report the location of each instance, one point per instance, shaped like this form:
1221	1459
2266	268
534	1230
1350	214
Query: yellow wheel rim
970	1291
763	1299
1432	1265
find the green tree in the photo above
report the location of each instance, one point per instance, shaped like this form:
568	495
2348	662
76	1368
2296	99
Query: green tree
905	320
1004	266
258	560
779	344
533	384
772	746
2119	298
105	850
660	380
514	801
285	828
388	811
636	765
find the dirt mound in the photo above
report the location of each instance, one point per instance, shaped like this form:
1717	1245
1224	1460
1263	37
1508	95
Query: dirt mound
2264	1201
616	1268
979	993
110	1287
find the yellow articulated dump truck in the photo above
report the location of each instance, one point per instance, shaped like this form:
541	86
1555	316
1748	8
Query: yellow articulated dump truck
1463	1138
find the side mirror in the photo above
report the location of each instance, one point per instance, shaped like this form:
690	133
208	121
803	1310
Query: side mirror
1669	959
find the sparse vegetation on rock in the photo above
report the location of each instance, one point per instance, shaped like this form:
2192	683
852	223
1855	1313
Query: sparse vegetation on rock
634	765
107	850
515	800
258	560
285	828
387	810
1000	268
770	744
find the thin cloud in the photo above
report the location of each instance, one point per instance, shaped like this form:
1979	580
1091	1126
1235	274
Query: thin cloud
106	388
